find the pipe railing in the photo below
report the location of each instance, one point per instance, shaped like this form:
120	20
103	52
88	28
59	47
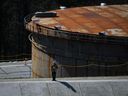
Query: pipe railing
28	18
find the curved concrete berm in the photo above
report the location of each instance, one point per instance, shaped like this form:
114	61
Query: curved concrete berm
70	87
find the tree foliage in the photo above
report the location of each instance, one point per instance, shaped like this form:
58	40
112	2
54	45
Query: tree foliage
13	38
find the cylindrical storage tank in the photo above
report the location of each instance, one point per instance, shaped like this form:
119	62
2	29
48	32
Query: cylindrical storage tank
76	58
77	53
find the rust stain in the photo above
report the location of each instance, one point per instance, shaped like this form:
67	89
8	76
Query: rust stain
112	19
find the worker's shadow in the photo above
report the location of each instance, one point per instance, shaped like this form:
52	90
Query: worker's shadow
67	85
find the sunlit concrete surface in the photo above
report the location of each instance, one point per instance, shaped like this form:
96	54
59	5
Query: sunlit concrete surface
65	87
17	69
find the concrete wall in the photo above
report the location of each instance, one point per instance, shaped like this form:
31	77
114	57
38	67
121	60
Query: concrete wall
64	88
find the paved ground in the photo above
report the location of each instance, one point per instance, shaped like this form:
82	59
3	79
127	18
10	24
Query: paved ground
17	69
65	87
82	86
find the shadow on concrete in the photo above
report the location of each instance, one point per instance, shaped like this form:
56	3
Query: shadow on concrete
67	85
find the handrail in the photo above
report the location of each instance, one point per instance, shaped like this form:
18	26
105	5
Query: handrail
27	19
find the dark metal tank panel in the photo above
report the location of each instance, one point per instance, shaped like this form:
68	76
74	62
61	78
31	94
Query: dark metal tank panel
77	58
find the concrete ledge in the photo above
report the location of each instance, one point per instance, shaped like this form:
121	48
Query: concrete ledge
66	87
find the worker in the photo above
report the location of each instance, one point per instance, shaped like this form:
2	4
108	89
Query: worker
54	68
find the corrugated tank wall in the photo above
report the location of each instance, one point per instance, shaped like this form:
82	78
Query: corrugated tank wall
77	58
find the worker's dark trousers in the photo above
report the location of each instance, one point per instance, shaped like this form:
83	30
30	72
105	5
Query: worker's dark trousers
54	76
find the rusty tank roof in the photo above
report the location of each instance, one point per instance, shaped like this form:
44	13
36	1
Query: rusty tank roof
110	19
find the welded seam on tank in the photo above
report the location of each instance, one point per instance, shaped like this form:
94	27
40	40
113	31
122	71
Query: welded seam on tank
119	25
121	8
59	23
110	20
84	27
103	18
91	21
118	16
